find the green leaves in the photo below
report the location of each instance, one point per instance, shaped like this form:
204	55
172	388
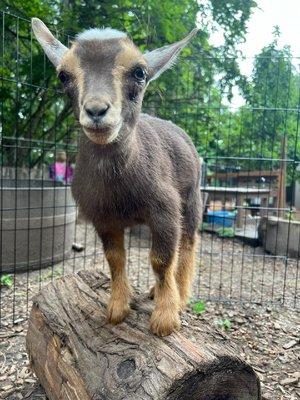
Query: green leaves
224	324
6	280
224	232
199	307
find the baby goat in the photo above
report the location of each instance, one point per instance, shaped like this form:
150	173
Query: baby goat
131	168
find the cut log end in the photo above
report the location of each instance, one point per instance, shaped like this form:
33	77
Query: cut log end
76	354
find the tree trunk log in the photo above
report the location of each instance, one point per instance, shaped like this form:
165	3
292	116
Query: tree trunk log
76	354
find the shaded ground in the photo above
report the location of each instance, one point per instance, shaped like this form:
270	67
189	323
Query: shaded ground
268	335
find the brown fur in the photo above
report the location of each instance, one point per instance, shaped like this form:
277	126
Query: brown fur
149	175
165	318
70	63
186	268
118	307
146	171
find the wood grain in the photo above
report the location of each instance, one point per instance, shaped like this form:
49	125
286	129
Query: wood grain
76	354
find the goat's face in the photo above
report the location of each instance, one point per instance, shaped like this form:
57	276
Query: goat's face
106	79
105	75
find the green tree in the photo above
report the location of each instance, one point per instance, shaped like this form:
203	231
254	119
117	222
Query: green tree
271	113
36	119
274	101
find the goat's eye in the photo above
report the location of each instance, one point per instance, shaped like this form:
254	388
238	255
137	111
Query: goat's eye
139	74
64	77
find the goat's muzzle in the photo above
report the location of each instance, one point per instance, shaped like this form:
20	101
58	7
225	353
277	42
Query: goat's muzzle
102	134
100	121
96	111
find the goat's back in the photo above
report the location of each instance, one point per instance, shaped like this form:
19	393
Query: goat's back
170	150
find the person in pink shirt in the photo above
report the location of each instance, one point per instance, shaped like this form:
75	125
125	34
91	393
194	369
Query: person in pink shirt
61	171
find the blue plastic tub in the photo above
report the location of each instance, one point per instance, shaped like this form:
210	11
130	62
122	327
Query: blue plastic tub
222	218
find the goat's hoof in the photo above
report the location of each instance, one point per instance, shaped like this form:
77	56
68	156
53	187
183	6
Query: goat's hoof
152	293
163	323
117	312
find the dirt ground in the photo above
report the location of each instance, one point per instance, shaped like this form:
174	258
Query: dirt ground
252	294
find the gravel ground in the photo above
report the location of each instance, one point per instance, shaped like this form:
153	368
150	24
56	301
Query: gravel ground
266	332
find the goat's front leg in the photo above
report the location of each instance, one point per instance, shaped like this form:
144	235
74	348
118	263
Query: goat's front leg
165	317
118	306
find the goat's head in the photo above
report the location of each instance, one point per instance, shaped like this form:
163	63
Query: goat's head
105	75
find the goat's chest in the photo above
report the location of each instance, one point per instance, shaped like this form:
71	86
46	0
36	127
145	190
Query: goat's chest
107	196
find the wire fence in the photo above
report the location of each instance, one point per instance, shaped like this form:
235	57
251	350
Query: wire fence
250	235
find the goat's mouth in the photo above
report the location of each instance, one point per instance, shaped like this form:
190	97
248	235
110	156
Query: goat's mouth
102	135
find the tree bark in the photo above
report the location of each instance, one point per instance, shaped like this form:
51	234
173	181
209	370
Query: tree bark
76	354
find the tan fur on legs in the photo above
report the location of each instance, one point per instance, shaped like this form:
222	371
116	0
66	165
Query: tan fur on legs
186	268
165	317
118	306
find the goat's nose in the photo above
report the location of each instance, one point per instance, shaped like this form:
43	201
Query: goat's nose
96	110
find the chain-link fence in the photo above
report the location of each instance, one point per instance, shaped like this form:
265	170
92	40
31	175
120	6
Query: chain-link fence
250	235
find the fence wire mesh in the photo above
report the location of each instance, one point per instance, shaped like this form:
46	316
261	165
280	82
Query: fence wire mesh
250	235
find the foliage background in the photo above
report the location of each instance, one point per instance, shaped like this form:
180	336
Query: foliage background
36	119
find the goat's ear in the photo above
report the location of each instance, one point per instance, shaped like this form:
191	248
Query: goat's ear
52	47
163	58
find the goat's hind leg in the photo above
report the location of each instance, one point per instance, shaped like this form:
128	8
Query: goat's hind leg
186	267
118	306
188	243
165	317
